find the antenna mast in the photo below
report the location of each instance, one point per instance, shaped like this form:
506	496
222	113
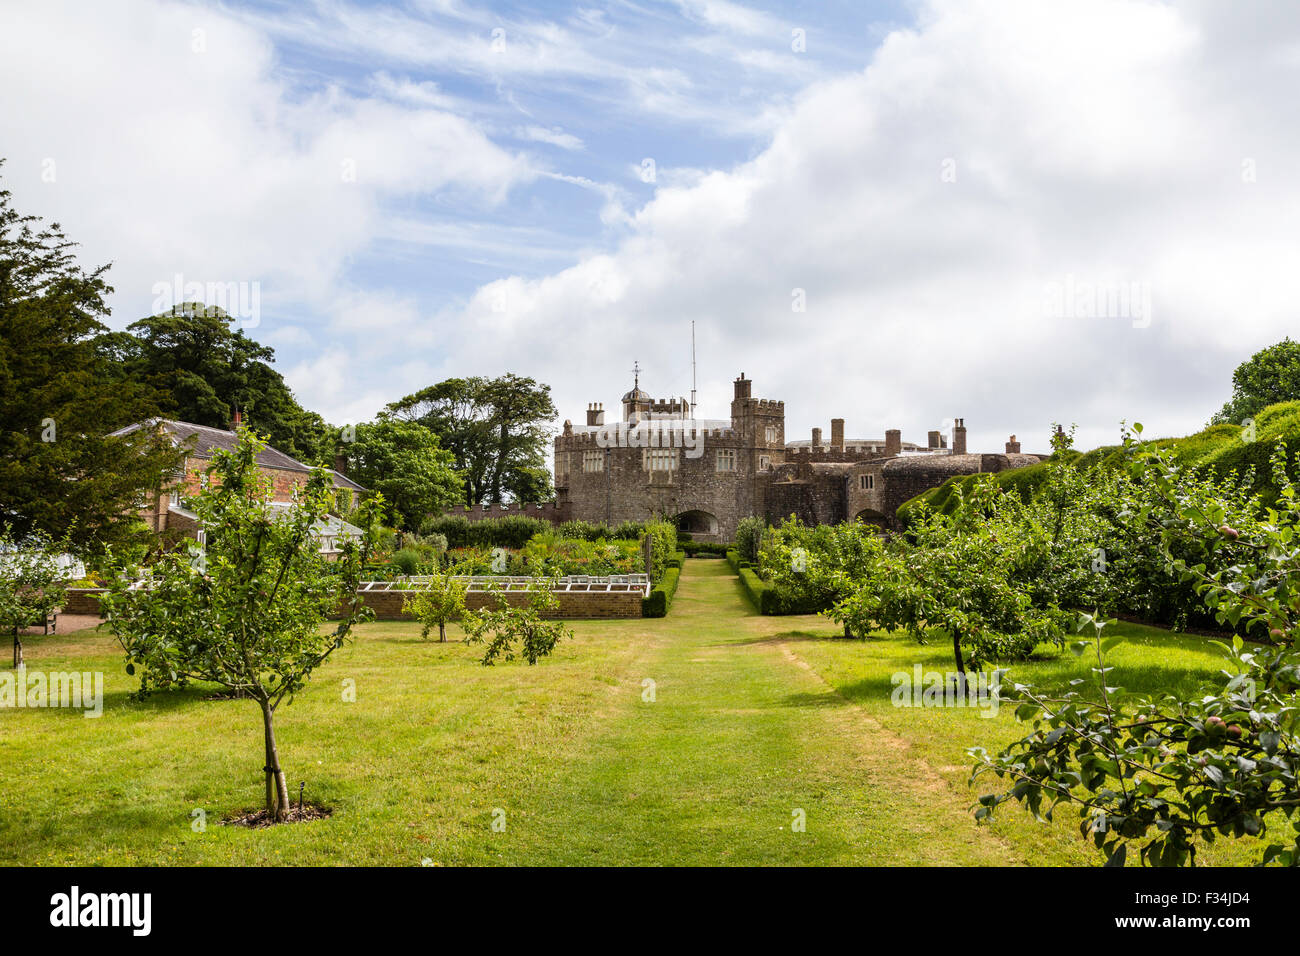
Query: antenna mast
692	368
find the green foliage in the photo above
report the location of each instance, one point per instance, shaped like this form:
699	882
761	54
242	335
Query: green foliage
32	583
404	463
1269	376
811	568
245	613
510	532
60	397
546	554
506	626
660	599
206	368
663	547
591	531
497	431
749	537
440	600
1167	773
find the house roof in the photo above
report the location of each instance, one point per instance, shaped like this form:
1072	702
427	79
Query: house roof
205	440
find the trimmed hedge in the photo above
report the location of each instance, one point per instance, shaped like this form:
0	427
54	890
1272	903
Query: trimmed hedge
694	549
760	593
660	598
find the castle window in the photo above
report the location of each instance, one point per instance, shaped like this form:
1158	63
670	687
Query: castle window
770	433
593	460
727	459
659	459
764	462
867	482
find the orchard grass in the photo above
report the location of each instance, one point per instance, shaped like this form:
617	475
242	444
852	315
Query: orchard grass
753	718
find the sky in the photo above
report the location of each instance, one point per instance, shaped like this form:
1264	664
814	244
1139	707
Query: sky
1015	213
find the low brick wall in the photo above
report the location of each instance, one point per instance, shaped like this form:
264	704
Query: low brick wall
584	605
82	601
388	604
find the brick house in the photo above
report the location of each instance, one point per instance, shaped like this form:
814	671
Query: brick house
164	510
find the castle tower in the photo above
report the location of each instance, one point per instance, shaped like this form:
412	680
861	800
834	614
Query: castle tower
636	403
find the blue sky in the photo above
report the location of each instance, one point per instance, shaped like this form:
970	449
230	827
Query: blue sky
881	227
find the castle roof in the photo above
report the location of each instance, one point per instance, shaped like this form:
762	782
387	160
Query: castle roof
637	395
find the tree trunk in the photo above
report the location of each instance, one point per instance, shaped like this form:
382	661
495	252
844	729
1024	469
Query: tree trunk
277	791
961	664
18	650
847	632
442	632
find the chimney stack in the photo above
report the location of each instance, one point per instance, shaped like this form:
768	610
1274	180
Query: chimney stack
934	440
817	438
341	463
1013	446
837	434
893	442
237	422
743	386
596	414
959	436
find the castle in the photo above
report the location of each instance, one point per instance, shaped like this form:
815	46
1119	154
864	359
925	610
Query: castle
706	475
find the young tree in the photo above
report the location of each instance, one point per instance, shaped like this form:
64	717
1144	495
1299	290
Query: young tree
247	612
404	462
60	472
439	601
32	584
504	626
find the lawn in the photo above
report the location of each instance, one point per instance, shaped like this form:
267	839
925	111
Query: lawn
703	737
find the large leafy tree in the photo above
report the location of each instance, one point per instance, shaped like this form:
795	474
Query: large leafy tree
496	429
1269	376
404	462
207	369
60	397
246	613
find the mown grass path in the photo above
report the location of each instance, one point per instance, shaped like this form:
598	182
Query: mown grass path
740	744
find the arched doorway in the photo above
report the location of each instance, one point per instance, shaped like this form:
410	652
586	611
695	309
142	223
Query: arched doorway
700	525
872	517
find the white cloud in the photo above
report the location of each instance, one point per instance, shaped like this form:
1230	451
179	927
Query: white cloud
1101	142
177	148
554	136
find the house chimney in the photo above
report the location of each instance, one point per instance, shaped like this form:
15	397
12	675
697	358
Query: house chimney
837	434
817	438
237	422
934	440
743	386
893	442
959	436
1013	446
341	463
596	414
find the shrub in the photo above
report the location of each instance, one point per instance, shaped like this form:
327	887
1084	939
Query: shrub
749	537
663	547
509	532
